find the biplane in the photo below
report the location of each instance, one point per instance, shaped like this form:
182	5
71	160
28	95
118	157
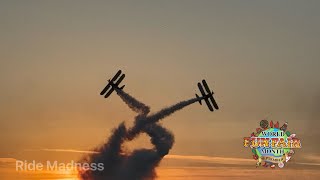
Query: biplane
207	96
112	84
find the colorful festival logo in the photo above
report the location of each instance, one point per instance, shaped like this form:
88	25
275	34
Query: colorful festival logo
272	145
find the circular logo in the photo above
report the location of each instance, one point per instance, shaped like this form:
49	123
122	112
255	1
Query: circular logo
270	151
271	144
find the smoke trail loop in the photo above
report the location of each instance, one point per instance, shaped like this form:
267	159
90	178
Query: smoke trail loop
141	163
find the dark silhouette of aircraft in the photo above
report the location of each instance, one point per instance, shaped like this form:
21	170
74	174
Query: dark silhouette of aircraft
207	97
113	84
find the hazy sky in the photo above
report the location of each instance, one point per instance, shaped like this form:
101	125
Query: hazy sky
261	58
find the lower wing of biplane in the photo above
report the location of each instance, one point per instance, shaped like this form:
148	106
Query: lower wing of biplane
208	98
112	84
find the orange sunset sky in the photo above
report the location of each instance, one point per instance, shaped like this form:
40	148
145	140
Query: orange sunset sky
261	58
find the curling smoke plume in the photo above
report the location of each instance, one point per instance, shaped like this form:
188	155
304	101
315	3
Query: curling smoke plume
141	163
